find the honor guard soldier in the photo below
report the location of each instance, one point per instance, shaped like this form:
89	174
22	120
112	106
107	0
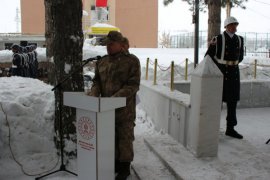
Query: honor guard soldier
227	51
35	61
17	65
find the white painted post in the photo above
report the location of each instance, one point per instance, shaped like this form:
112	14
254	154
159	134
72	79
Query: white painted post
205	99
95	134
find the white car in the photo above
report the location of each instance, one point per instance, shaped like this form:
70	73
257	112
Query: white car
95	41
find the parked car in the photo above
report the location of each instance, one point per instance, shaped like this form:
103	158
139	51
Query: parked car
96	41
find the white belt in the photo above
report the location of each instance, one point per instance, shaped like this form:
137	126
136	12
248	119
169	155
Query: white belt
228	62
222	60
14	66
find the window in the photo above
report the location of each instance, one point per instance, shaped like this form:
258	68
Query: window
99	14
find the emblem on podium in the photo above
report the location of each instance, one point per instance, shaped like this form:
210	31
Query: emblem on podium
86	128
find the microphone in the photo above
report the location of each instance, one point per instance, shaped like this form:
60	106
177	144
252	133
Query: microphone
92	59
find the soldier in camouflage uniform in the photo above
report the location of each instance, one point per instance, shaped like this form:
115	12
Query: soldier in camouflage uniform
126	44
118	75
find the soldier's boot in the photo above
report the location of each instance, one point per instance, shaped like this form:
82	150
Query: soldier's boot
124	171
233	133
117	166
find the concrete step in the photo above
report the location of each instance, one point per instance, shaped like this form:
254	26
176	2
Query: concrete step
133	175
146	165
178	160
237	159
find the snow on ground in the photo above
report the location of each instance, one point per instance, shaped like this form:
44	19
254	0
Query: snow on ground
165	56
28	105
26	115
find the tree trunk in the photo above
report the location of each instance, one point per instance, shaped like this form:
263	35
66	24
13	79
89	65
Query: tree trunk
64	40
49	29
228	8
214	18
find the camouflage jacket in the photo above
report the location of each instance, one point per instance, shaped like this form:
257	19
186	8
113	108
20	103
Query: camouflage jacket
118	76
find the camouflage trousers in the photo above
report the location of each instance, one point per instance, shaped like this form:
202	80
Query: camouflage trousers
124	137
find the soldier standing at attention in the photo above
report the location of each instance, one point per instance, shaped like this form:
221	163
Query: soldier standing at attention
118	75
227	51
17	65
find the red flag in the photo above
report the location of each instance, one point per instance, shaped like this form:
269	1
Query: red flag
101	3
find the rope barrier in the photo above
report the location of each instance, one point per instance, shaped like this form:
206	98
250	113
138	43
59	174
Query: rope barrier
151	62
263	65
12	153
242	68
190	61
181	74
178	72
182	62
165	69
186	74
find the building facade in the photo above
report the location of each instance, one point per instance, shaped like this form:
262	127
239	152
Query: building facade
137	20
32	17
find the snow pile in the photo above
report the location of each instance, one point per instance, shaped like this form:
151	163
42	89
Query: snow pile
27	114
27	109
6	55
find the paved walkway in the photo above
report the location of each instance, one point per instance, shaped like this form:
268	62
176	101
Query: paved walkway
237	159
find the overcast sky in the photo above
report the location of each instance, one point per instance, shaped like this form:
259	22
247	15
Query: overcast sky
255	18
176	16
8	14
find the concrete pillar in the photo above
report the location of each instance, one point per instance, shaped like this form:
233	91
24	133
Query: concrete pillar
205	100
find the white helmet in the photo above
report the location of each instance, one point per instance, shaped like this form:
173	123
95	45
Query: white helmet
230	20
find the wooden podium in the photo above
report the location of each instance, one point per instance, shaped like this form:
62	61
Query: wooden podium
95	134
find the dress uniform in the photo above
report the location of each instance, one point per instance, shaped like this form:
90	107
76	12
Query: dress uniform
227	51
17	63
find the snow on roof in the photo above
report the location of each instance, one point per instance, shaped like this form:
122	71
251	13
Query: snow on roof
103	25
85	13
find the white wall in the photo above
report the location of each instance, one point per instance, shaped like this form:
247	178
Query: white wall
168	110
